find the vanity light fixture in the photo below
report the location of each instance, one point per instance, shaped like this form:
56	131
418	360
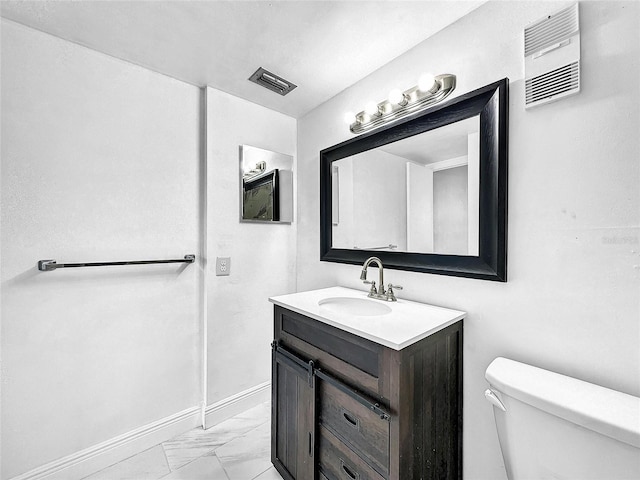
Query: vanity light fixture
259	169
429	91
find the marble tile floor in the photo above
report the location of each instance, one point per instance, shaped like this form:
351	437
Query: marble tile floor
236	449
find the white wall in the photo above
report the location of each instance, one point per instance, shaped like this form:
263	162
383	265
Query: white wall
379	200
372	205
100	162
450	211
419	208
240	319
571	302
343	227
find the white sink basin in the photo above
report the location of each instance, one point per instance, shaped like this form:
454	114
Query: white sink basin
361	307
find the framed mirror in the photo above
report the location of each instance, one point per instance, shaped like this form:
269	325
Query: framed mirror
426	194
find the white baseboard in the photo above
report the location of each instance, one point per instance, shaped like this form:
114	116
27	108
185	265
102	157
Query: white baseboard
238	403
93	459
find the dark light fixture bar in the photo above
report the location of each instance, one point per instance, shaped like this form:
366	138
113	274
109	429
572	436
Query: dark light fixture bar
272	81
50	265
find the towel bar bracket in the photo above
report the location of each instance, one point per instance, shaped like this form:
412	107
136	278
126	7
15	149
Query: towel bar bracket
46	265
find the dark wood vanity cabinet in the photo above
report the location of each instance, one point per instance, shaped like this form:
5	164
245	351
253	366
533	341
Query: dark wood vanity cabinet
347	408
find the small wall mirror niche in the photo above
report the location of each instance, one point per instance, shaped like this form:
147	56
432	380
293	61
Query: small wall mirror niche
266	186
424	194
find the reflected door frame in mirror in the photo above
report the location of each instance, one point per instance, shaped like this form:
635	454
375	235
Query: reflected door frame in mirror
490	103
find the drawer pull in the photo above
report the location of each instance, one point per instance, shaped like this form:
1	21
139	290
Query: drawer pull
351	420
349	472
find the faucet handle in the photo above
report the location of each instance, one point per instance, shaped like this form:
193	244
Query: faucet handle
390	295
373	290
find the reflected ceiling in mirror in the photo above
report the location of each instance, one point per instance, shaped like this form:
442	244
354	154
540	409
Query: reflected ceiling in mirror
419	194
427	193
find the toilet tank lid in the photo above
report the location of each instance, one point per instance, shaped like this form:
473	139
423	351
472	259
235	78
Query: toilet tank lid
609	412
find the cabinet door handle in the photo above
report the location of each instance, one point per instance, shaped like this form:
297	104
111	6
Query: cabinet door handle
310	444
351	420
348	471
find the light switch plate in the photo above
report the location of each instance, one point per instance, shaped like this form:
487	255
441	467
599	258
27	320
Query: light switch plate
223	266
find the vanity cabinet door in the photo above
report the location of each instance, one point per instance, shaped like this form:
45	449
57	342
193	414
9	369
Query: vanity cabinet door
293	416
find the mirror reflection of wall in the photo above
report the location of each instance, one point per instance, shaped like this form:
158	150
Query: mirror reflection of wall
450	213
420	194
266	186
371	202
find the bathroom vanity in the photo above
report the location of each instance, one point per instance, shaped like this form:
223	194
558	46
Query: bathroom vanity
365	389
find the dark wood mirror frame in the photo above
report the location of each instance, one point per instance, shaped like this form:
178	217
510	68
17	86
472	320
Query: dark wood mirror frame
491	104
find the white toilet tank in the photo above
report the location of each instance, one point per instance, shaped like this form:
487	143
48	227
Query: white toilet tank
551	426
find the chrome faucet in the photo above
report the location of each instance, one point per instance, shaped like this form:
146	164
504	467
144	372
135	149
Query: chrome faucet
380	292
363	276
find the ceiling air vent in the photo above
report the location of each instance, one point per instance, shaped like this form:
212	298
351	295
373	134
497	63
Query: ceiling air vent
552	57
272	82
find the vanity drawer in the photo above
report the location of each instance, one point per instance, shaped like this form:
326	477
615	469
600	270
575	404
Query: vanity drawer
349	357
338	462
362	429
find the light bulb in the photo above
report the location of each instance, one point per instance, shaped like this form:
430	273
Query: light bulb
371	108
395	96
425	82
349	118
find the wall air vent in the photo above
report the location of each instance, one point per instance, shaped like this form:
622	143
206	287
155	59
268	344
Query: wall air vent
549	86
552	57
272	82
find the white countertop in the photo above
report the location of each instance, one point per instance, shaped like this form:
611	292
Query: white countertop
405	324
